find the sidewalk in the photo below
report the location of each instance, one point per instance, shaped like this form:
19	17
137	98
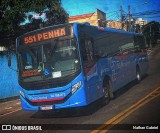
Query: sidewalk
9	99
154	52
9	106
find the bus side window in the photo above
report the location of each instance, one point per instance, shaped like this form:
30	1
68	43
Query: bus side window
87	53
139	43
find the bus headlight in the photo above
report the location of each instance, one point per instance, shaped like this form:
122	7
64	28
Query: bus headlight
76	87
22	93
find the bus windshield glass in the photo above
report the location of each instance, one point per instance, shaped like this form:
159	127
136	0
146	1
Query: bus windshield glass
49	60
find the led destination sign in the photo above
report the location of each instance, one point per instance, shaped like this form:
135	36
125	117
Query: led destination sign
30	73
45	35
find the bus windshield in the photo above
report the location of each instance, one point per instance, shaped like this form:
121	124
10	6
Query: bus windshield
53	59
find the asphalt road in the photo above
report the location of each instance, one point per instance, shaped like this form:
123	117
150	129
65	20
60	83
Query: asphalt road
134	104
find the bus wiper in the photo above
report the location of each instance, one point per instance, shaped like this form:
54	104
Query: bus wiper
54	46
32	54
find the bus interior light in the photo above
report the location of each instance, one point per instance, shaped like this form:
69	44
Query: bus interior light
76	87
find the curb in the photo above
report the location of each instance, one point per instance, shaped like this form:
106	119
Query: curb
9	99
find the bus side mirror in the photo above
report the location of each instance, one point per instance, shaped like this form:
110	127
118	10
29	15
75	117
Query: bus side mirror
9	59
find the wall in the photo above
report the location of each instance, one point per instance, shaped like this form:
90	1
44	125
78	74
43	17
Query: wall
114	24
8	78
92	18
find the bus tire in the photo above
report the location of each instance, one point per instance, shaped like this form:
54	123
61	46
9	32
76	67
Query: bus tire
106	91
138	74
111	90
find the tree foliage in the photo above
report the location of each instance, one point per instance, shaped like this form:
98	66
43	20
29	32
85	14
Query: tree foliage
13	13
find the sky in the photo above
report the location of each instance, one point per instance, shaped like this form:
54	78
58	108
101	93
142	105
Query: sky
112	8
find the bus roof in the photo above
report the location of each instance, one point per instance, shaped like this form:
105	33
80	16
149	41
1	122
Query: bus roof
87	24
120	31
111	29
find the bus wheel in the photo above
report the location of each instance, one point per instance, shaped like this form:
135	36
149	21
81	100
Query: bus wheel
106	91
138	75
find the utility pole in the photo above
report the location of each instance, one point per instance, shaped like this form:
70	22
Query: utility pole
150	30
121	15
129	17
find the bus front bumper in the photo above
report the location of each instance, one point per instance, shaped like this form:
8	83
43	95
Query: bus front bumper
76	100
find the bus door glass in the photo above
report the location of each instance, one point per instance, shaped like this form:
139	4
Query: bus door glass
89	68
87	55
141	51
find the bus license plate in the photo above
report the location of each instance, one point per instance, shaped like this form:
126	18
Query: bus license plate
47	107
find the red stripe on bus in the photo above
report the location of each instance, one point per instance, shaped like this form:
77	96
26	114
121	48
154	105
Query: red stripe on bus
47	100
142	53
122	56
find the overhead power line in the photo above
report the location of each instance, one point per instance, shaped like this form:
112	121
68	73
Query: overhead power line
152	17
153	12
147	11
113	12
112	15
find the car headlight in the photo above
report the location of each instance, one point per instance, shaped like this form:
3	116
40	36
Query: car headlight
76	86
22	93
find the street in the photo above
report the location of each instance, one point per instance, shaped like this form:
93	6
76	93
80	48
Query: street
126	101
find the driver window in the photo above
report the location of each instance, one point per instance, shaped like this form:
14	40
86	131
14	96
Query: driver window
27	61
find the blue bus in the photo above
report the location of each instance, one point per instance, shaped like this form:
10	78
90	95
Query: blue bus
73	65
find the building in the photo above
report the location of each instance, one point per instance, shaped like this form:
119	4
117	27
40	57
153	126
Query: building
97	18
113	24
140	21
2	48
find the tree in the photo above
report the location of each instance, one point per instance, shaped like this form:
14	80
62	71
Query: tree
13	12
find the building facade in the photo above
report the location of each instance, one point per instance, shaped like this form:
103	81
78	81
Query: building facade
140	21
113	24
97	18
2	48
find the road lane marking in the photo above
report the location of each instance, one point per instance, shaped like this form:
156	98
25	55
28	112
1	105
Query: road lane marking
119	117
11	112
127	114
